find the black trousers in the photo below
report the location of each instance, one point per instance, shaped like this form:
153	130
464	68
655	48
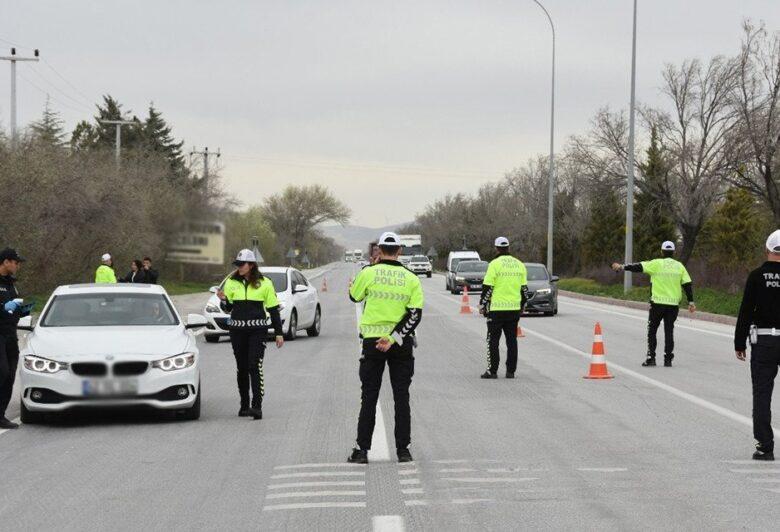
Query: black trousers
667	314
9	359
249	350
764	360
498	322
400	364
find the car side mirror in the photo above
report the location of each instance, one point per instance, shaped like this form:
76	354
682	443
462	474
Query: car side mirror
214	289
195	321
25	324
555	278
299	288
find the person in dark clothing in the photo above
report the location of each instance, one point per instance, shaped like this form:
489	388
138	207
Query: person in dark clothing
759	319
11	310
668	278
137	274
151	275
247	296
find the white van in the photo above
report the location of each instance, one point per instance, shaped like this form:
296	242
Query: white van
452	264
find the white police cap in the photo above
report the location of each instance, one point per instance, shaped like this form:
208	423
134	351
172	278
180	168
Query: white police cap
502	242
389	239
773	242
245	255
668	246
106	257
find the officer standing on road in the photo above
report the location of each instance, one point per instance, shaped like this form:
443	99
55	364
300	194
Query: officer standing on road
10	312
248	296
759	317
105	272
504	293
393	309
668	278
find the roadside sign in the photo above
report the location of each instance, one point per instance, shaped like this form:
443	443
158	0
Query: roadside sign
199	243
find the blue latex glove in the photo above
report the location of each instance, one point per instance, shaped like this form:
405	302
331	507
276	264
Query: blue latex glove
11	307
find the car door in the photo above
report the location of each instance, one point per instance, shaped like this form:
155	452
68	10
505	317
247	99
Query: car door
305	301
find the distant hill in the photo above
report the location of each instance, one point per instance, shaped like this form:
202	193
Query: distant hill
356	236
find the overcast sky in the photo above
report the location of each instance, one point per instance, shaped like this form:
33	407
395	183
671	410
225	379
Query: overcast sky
391	104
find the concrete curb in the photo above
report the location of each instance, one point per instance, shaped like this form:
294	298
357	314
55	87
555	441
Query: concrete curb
639	305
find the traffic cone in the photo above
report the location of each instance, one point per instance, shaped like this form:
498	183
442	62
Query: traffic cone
598	363
324	285
465	307
520	333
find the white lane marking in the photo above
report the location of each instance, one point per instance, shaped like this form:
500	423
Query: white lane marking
305	505
451	461
288	485
388	523
640	318
416	503
765	480
470	501
773	490
603	469
488	479
292	494
2	431
380	451
749	462
412	491
725	412
306	466
408	472
759	471
321	474
457	470
408	481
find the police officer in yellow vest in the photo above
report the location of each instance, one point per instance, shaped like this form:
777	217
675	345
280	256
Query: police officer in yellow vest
668	278
393	309
250	299
504	293
105	272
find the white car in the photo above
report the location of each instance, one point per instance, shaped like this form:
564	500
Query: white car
298	299
104	345
420	264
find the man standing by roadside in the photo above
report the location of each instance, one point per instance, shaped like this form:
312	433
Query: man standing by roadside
393	309
105	272
11	310
668	278
152	275
759	318
504	293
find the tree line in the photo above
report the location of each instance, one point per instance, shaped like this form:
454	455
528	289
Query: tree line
707	168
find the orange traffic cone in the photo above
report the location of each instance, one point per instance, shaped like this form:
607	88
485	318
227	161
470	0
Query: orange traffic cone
520	333
598	364
324	285
465	307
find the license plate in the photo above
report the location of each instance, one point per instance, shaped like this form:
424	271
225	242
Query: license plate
109	387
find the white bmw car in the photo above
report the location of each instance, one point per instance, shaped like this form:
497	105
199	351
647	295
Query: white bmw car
106	345
298	299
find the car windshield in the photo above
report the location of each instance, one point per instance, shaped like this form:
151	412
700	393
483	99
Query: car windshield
537	273
278	279
419	258
109	309
455	262
472	266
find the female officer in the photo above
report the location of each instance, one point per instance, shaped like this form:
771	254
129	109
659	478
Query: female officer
247	296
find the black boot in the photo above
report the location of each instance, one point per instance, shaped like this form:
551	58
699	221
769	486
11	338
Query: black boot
6	423
257	409
510	374
404	455
650	362
243	411
763	454
668	361
488	375
358	456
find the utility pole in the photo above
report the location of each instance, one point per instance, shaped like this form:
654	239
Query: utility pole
206	154
118	142
627	280
13	58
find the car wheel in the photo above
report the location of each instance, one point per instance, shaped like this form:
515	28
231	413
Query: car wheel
193	412
549	313
292	331
211	338
314	330
428	275
555	311
28	417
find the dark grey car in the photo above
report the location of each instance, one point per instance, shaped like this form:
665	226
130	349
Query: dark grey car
469	273
542	290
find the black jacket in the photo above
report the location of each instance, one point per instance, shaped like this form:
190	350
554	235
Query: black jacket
760	303
135	277
8	293
152	276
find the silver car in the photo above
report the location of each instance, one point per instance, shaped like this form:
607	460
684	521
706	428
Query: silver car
542	290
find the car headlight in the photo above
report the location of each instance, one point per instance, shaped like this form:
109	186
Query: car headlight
174	363
43	365
460	279
543	291
213	309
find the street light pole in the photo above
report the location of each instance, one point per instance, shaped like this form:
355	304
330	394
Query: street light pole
627	280
551	170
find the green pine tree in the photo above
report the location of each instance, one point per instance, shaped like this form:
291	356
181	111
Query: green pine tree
604	238
105	134
736	231
48	131
157	137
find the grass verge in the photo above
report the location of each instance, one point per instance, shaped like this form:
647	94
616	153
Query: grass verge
707	299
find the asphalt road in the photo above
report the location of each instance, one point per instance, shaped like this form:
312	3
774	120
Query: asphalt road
654	448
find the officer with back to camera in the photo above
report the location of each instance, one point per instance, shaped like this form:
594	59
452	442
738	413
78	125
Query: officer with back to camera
759	319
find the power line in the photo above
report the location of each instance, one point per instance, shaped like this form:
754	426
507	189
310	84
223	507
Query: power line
87	107
46	93
63	78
